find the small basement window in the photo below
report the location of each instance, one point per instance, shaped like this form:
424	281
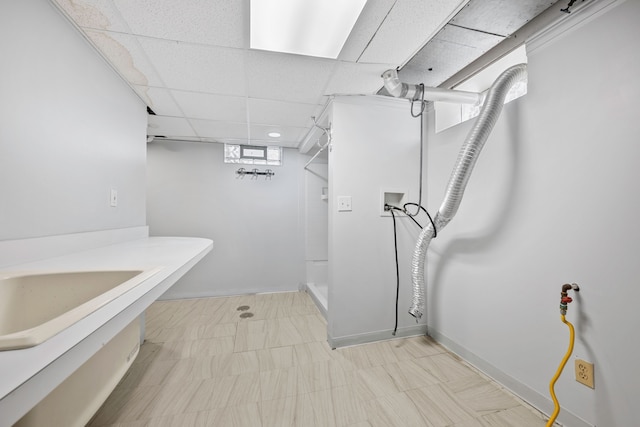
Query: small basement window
450	114
253	154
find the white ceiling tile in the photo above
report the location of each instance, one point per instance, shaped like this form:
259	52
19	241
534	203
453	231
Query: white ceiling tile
197	68
450	51
212	107
501	17
288	134
189	60
409	25
126	55
283	144
220	130
270	112
171	127
287	77
465	37
364	29
288	145
356	79
96	14
159	100
214	22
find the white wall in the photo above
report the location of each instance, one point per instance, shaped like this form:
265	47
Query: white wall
256	225
375	146
553	199
70	130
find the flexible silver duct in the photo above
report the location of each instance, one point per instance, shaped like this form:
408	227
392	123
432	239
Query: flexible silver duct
467	157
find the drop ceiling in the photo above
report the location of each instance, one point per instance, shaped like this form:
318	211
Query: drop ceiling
190	61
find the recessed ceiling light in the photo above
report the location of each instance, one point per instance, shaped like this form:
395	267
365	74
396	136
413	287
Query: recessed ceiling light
312	27
274	134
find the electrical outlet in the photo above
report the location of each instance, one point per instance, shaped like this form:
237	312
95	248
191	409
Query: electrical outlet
344	203
584	372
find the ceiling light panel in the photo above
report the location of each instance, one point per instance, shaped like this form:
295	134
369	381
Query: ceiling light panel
197	68
212	107
311	28
216	22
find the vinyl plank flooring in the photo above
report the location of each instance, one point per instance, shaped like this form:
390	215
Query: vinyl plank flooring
292	411
394	410
514	417
202	365
313	352
408	375
276	358
481	395
439	407
281	383
348	408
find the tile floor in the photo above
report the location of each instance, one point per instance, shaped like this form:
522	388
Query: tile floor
203	365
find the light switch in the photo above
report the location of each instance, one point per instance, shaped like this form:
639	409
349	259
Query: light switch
114	198
344	203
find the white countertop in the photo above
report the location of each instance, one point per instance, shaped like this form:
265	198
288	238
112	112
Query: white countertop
27	375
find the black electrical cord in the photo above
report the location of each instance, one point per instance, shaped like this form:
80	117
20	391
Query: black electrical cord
435	232
418	205
404	211
422	103
395	243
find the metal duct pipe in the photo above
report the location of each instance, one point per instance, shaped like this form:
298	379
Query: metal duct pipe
395	87
467	157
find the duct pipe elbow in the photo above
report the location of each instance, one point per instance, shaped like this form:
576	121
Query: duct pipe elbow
396	88
392	83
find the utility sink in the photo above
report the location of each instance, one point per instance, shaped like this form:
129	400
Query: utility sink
36	306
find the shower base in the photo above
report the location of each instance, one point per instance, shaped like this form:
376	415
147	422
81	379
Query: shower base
319	294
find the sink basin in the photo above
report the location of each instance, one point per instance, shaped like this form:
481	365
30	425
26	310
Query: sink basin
35	307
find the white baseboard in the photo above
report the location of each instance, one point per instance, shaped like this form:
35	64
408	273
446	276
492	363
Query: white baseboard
410	331
526	393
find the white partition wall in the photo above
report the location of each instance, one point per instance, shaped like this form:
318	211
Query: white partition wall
375	147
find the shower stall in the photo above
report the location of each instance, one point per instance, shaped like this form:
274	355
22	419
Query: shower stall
316	181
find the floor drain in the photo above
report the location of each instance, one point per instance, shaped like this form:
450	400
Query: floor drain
245	315
243	308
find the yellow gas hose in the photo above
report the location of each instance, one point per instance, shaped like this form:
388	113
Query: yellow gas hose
572	336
